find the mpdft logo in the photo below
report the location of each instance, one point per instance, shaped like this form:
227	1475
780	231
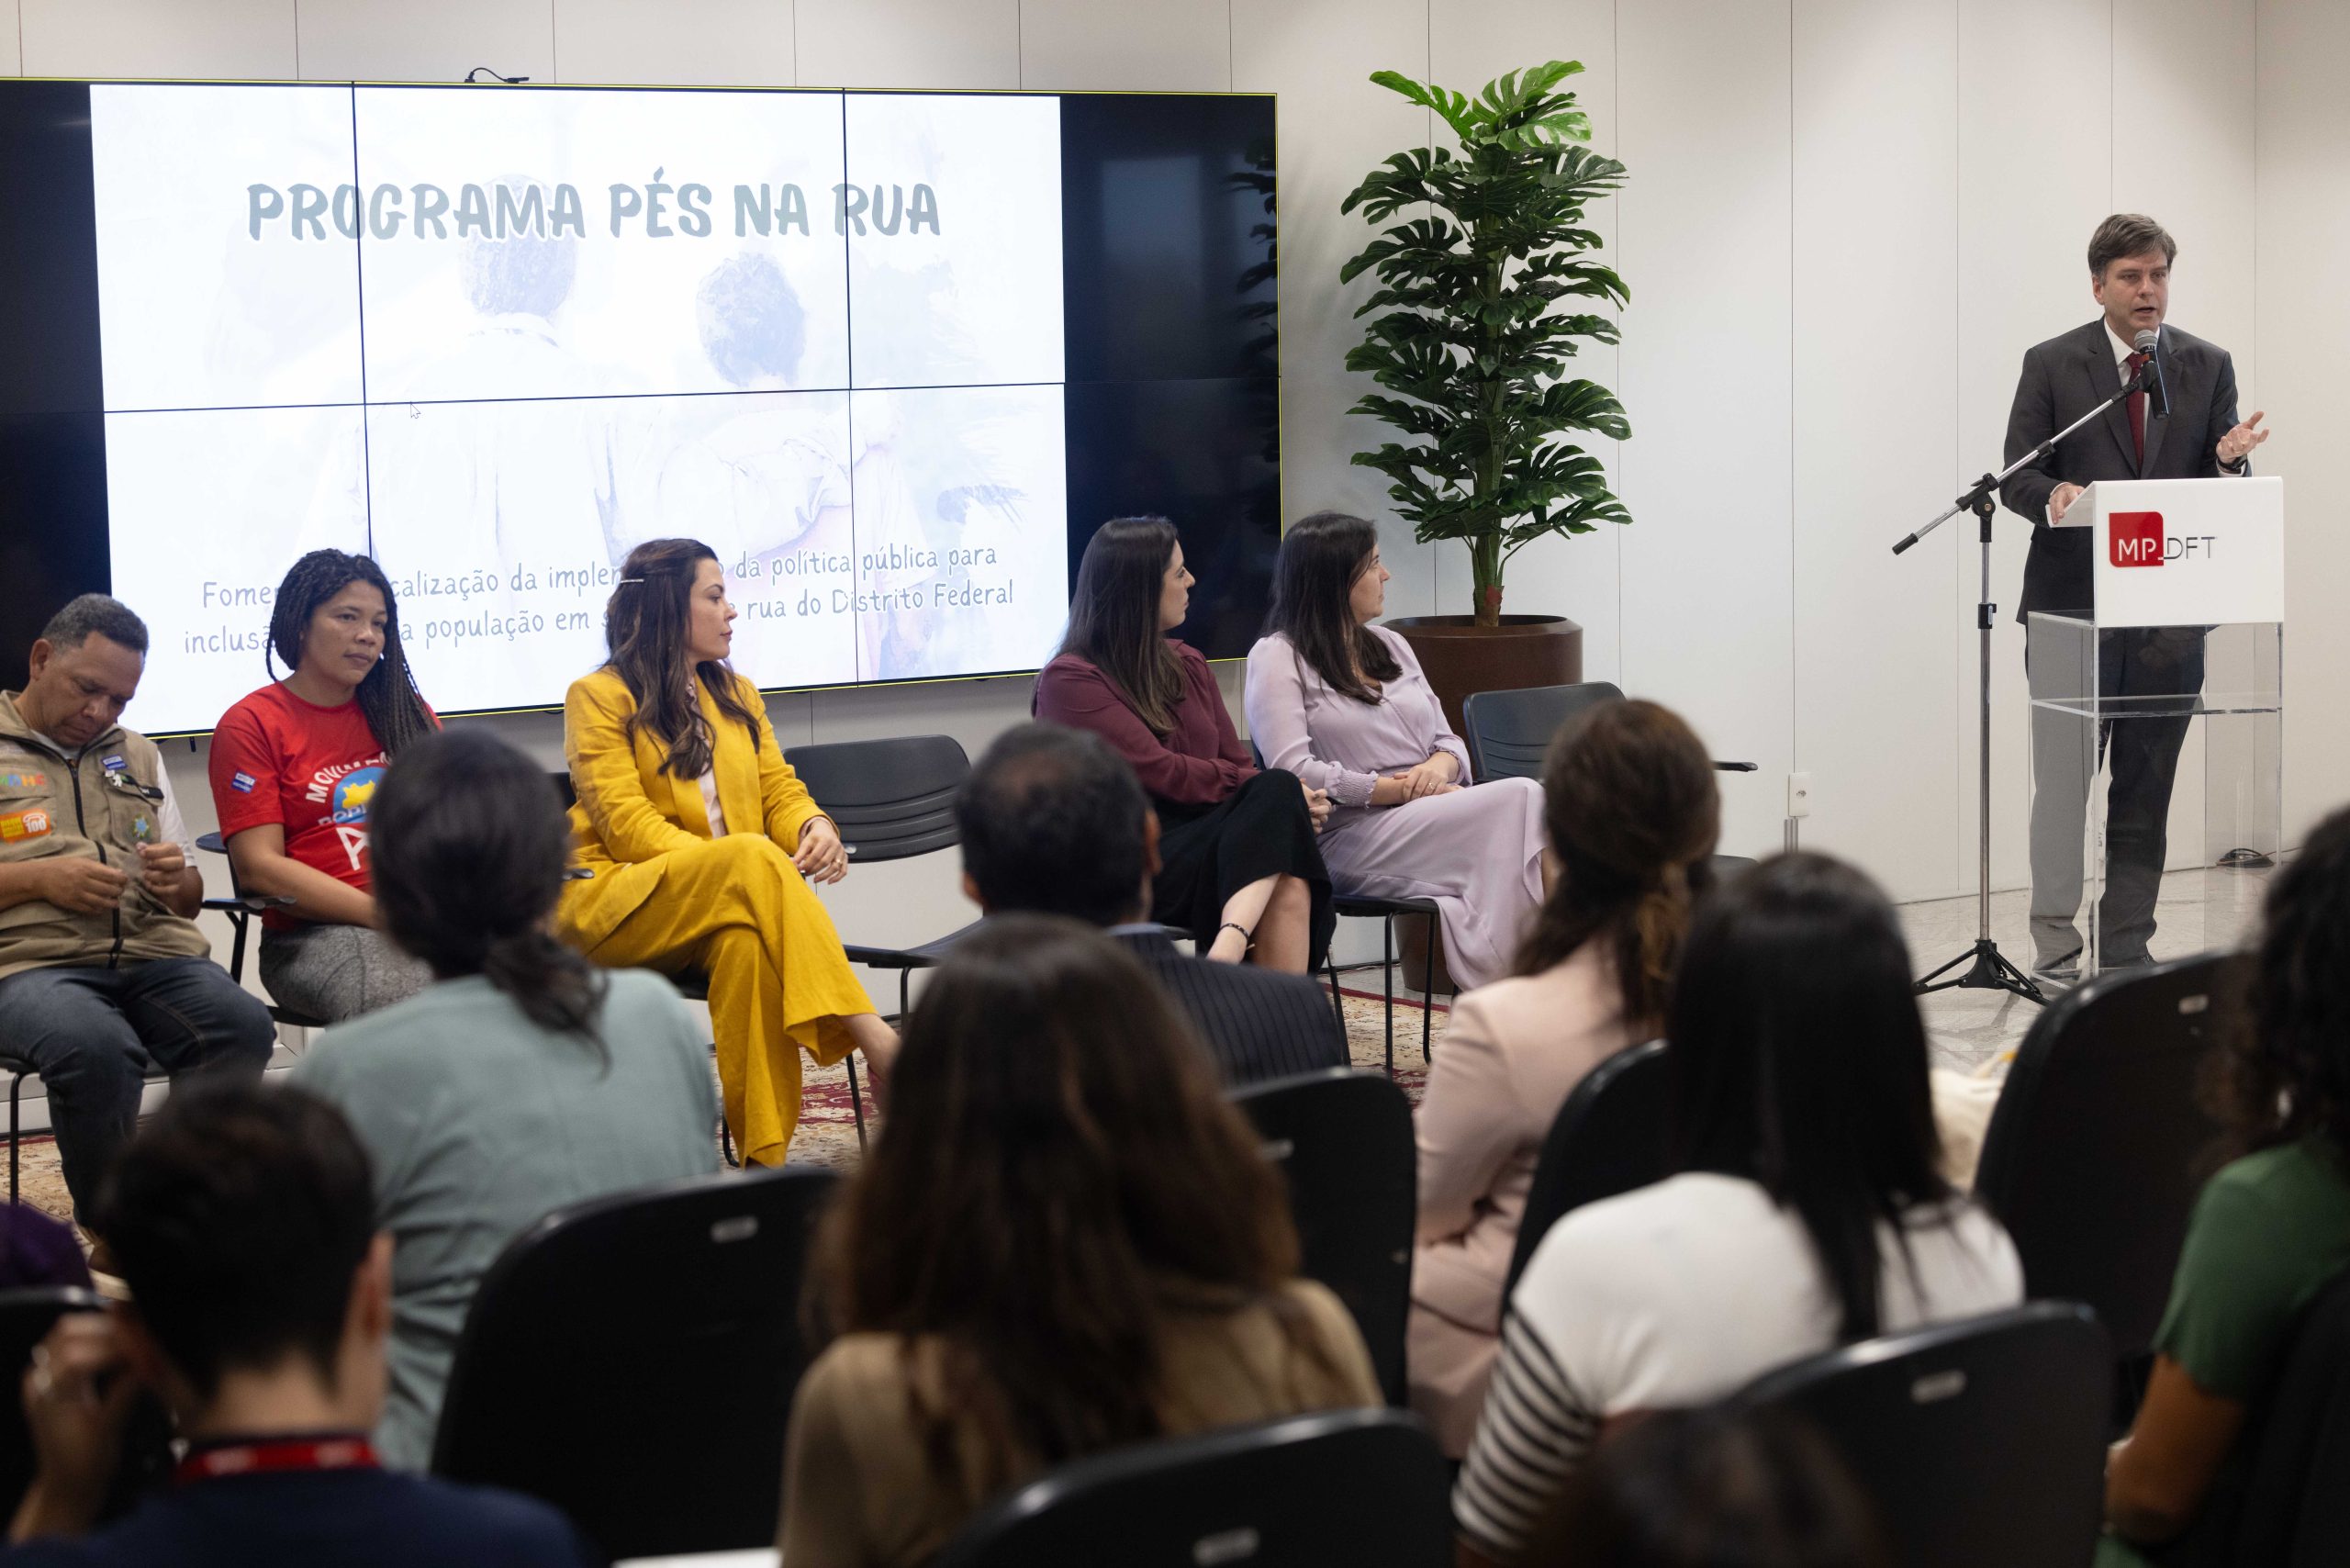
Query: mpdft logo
2135	538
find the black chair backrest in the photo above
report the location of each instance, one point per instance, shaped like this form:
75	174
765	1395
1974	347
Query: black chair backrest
1980	1441
2295	1511
891	798
1366	1488
1510	731
1343	1139
561	780
633	1360
2097	1148
1609	1138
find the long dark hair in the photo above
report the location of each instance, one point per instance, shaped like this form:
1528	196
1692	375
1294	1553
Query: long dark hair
1114	615
2284	1074
1041	1204
1321	557
1630	806
468	843
1712	1488
644	632
387	696
1797	1059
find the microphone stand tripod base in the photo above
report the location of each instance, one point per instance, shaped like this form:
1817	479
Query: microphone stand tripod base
1989	971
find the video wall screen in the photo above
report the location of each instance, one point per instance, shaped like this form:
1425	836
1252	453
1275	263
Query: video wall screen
893	356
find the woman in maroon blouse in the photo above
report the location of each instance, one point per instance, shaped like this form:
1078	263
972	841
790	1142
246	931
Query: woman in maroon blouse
1240	867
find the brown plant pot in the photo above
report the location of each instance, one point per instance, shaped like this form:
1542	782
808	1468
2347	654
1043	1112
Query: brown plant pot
1460	658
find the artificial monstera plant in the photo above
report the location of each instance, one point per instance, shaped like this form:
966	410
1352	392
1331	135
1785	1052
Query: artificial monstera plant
1476	317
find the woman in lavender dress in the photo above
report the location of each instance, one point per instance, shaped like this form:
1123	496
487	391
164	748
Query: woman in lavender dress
1342	704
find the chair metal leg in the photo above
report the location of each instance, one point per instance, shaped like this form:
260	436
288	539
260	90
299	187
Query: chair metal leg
15	1087
1427	994
1338	1004
1387	982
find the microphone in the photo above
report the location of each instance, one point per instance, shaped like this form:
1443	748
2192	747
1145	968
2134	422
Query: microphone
2149	342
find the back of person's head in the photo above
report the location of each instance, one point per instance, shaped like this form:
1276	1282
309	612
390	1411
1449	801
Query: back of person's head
750	320
1798	1059
2285	1071
1709	1488
1053	822
1630	806
469	844
239	1214
1060	1173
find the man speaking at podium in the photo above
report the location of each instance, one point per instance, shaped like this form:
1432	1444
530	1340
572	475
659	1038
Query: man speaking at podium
2186	429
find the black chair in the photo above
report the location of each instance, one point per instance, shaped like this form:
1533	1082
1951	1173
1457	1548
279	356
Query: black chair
1609	1139
1980	1441
2295	1510
1510	732
26	1317
633	1360
1386	910
1366	1488
241	910
1343	1141
2094	1151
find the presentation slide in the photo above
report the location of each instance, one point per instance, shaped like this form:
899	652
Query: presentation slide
495	338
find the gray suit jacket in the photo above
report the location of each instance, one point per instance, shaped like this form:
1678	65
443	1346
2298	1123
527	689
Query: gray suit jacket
2062	378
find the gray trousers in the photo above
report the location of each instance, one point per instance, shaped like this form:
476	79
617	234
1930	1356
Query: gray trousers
334	972
2143	754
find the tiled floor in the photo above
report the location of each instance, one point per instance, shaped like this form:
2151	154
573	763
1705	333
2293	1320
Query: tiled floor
2198	911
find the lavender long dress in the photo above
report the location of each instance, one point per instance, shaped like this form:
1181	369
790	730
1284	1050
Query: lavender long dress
1478	852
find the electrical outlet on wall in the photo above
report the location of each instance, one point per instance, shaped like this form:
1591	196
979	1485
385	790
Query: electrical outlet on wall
1798	794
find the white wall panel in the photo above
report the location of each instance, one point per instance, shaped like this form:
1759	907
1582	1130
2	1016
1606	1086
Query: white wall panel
2303	231
1704	111
11	49
684	43
1471	42
156	38
2035	135
1334	128
1168	46
908	43
1875	700
426	41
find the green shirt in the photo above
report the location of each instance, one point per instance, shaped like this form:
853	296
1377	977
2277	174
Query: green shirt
479	1123
2269	1232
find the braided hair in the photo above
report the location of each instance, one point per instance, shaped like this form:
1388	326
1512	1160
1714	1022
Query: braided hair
394	709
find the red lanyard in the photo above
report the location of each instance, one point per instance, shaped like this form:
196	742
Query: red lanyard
265	1458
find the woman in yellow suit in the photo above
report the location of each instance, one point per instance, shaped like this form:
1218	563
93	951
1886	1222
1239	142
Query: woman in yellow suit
702	842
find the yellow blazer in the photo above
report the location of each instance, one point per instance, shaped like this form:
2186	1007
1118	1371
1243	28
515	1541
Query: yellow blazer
629	811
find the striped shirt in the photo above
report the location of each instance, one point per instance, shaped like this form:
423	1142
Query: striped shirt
1676	1295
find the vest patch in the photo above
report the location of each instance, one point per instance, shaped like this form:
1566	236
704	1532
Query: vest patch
24	780
20	825
114	764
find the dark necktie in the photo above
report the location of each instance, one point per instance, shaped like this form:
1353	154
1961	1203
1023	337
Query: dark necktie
2138	411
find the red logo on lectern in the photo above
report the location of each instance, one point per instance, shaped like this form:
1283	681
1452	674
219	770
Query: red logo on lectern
2135	538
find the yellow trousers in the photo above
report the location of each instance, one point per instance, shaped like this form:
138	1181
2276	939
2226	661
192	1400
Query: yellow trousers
737	909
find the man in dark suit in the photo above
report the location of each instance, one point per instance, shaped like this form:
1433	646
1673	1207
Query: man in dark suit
1053	822
2197	437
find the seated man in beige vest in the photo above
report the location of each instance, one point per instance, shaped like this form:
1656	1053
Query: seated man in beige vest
102	968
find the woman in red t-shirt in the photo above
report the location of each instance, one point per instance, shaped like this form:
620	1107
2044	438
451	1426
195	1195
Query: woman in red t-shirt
1240	867
294	767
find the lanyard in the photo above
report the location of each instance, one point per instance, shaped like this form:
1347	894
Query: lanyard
266	1458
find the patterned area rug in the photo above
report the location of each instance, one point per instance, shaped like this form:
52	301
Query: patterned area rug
827	1133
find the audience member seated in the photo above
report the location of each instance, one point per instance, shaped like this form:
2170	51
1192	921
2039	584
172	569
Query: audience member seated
2270	1231
102	968
1710	1489
1239	868
1631	815
1053	822
523	1080
261	1298
1810	1210
1342	704
702	842
1066	1240
293	769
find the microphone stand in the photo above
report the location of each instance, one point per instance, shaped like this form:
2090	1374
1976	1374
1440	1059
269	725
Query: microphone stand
1988	968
